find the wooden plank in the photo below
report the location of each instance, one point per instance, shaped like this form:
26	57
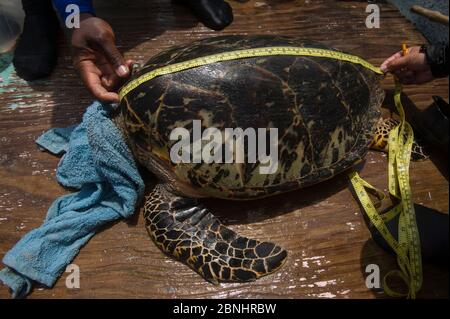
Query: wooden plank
321	227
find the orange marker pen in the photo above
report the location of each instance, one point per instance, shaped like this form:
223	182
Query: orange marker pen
404	49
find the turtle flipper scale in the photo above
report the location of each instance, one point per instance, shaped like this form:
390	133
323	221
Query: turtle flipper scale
419	150
189	232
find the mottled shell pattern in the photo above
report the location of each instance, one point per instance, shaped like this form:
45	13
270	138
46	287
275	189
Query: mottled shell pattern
325	110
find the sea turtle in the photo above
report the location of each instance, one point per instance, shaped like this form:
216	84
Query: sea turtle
326	111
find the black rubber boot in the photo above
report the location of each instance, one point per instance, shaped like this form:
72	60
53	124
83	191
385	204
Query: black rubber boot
433	231
214	14
35	55
432	124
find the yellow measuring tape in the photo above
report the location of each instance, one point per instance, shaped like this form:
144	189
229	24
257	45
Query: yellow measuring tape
407	246
241	54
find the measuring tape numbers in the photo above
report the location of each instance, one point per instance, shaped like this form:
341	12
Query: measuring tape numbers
242	54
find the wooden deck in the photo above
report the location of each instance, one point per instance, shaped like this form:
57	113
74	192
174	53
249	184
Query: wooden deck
321	227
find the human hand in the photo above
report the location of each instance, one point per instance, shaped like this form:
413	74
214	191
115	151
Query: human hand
411	68
97	59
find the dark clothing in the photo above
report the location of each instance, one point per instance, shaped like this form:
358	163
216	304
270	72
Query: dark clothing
85	6
437	58
215	14
36	53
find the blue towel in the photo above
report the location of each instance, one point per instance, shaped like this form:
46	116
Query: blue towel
98	163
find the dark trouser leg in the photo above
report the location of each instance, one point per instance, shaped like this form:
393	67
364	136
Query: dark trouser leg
35	55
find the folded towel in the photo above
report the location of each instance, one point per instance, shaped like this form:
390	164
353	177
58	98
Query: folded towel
99	164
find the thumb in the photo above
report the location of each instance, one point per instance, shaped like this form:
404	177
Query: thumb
398	64
116	59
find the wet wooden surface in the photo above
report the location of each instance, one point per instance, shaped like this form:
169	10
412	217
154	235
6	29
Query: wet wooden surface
322	227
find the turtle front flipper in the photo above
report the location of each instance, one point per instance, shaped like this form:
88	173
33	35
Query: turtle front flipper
419	150
188	231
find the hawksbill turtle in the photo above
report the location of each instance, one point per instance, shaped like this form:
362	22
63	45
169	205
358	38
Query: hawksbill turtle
327	112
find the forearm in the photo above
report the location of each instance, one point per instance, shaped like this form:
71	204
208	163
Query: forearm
437	59
84	5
